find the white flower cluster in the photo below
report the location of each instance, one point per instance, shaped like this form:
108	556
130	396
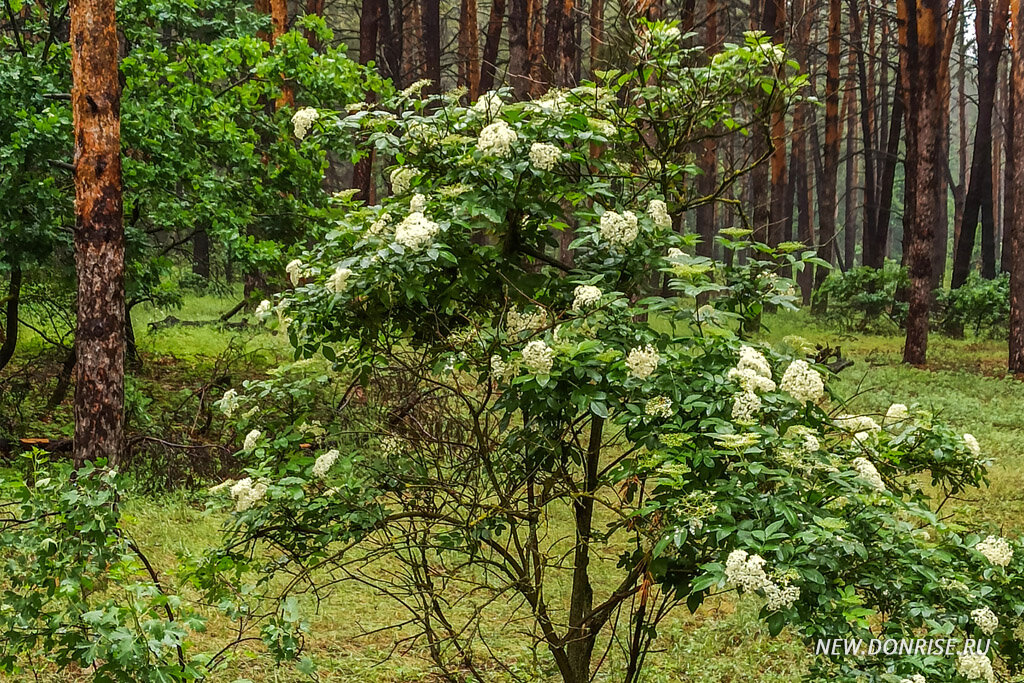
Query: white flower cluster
228	404
416	88
811	443
658	211
516	322
401	179
753	374
381	224
338	281
867	471
415	231
996	550
781	596
544	156
585	296
538	357
251	439
418	203
857	423
619	228
246	494
896	413
745	408
916	678
496	139
302	121
324	463
976	667
803	382
985	619
489	104
501	370
659	406
747	572
972	445
294	270
642	361
263	310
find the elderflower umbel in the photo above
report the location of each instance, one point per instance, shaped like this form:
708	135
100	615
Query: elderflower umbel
781	596
658	211
985	619
745	407
896	413
489	104
746	571
516	322
338	281
620	229
659	406
227	483
324	463
802	382
642	361
418	203
228	404
501	370
381	224
976	667
856	423
538	357
415	231
996	550
866	471
302	121
496	139
294	270
251	439
246	493
401	179
972	445
544	156
263	310
585	296
916	678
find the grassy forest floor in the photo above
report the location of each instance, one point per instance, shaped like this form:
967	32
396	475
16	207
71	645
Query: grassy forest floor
964	384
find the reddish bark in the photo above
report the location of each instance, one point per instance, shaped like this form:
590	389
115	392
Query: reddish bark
99	233
829	177
1015	217
469	52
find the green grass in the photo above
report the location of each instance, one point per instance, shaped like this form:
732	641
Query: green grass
724	642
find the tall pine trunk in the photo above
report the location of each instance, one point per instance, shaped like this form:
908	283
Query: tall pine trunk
98	234
921	41
990	26
1015	217
829	177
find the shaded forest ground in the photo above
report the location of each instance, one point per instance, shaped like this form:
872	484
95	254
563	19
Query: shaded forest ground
964	383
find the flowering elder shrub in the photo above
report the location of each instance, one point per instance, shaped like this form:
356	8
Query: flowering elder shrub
527	415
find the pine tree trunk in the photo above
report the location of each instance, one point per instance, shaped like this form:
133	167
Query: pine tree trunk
492	42
705	213
469	53
829	178
922	43
98	234
1015	216
519	47
432	42
201	254
990	28
850	171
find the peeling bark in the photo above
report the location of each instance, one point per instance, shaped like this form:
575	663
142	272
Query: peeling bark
99	233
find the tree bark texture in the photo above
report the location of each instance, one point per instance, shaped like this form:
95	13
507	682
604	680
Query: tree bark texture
98	234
